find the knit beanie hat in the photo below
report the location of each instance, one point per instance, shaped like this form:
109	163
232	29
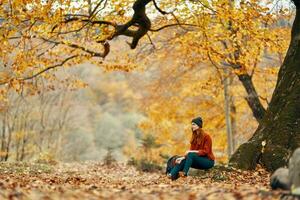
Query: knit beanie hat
198	121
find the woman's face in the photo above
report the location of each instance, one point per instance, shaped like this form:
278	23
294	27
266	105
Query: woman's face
194	126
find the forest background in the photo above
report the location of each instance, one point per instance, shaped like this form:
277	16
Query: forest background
133	105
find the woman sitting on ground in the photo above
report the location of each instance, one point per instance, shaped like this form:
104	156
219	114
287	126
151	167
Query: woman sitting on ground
200	155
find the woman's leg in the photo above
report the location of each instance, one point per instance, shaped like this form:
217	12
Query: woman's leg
198	162
203	163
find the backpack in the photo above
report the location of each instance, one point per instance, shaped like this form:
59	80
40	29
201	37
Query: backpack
171	163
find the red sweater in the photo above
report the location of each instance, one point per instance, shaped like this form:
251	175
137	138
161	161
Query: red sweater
205	147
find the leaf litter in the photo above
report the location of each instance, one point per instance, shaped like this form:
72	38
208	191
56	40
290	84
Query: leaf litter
92	180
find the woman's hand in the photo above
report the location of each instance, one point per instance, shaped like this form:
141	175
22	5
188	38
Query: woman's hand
178	160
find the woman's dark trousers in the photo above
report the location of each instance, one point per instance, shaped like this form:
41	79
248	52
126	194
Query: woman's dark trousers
192	160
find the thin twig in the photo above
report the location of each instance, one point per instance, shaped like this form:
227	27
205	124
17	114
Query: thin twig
170	25
93	53
215	65
151	41
209	8
42	71
159	9
265	99
48	68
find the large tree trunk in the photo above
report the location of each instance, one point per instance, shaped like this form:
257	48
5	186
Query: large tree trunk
280	127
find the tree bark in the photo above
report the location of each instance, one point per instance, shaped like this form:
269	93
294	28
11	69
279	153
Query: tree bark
280	127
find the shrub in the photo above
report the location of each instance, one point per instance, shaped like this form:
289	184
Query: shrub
109	158
46	158
144	165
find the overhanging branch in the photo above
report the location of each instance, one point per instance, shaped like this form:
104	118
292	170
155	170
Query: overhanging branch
40	72
92	53
171	25
48	68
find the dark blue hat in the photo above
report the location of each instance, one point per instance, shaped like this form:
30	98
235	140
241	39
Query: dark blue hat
198	121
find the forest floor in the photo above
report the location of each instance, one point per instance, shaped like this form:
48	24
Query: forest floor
94	181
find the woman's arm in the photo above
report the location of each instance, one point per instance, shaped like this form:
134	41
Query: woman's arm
207	147
178	160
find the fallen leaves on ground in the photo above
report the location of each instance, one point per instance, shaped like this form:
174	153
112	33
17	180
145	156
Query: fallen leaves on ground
95	181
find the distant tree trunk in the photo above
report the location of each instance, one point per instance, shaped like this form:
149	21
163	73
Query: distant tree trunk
8	146
17	149
280	127
3	139
24	143
233	122
233	117
227	102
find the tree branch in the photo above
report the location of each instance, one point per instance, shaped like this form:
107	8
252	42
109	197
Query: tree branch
170	25
42	71
48	68
160	10
93	53
205	6
215	65
139	19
